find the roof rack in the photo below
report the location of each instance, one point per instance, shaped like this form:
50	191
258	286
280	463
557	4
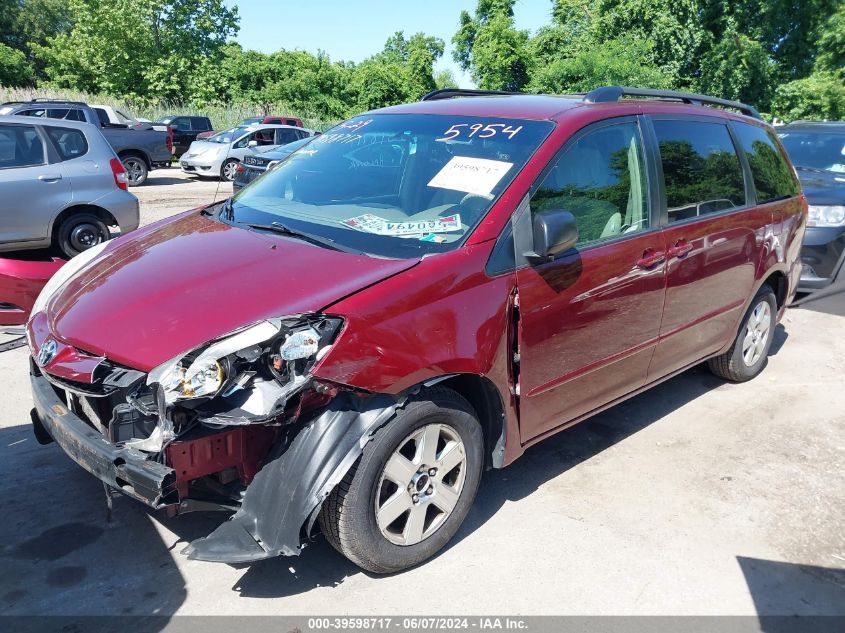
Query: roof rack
449	93
609	94
65	101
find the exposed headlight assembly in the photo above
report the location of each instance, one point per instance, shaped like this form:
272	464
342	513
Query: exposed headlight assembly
826	215
281	350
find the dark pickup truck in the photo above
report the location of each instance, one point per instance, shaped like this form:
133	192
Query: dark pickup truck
140	148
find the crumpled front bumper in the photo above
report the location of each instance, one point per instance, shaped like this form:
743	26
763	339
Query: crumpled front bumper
125	469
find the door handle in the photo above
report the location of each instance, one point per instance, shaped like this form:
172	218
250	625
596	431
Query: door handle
651	258
680	249
49	177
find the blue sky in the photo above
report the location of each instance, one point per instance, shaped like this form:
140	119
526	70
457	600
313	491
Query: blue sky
353	30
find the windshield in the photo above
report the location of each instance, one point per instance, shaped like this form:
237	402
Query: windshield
228	136
818	150
394	185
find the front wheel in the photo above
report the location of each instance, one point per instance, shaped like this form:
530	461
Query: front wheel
229	170
750	350
412	487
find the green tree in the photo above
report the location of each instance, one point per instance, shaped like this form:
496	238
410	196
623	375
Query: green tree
14	68
625	61
737	67
139	49
491	48
821	96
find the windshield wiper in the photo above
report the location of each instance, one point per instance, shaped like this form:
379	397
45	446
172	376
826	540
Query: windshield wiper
281	229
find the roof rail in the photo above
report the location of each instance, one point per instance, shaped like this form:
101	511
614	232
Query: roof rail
449	93
609	94
66	101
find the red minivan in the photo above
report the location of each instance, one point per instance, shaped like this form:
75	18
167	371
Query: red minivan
419	294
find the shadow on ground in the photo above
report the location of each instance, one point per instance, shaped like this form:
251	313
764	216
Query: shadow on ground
57	539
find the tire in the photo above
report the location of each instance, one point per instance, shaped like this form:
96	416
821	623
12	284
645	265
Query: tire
136	170
227	171
750	350
80	232
348	516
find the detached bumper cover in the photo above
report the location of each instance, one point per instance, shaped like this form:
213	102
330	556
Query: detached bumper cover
127	470
287	492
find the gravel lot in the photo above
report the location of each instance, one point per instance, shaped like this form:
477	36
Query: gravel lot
698	497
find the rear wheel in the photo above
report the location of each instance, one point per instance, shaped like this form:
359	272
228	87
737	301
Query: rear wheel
136	170
412	487
749	352
80	232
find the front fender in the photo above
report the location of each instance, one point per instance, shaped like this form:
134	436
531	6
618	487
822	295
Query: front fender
287	492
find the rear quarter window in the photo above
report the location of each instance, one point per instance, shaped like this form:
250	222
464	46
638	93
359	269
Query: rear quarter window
69	143
773	177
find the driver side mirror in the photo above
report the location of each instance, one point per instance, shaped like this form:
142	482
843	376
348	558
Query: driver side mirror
253	143
555	231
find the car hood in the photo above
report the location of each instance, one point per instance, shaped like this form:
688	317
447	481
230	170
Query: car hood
199	147
822	187
167	289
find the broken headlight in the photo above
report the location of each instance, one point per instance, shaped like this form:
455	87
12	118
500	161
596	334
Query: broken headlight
281	350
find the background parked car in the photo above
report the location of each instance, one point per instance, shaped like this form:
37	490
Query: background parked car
220	155
109	115
818	152
61	185
185	130
261	159
139	149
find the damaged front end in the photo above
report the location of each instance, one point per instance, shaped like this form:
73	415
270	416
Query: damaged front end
237	424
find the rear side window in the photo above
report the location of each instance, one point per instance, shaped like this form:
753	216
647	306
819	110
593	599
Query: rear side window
69	114
701	168
601	180
773	177
200	124
20	146
69	143
103	116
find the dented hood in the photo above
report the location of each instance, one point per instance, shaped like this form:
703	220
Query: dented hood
171	287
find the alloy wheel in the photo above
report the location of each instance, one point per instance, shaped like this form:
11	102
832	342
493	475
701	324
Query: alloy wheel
135	169
420	484
756	333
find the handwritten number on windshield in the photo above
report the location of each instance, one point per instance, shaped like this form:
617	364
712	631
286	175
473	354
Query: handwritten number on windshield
480	130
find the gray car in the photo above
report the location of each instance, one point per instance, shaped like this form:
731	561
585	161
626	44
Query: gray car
61	185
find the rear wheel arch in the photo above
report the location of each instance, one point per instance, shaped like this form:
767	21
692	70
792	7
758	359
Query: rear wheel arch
100	212
138	153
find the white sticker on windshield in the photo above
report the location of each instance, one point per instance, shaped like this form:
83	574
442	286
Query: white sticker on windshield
473	175
370	223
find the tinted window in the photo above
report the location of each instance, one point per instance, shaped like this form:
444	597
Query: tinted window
773	177
69	143
102	116
701	169
70	114
200	124
20	146
601	180
182	124
284	136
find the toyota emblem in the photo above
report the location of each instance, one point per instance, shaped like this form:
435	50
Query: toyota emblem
47	352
